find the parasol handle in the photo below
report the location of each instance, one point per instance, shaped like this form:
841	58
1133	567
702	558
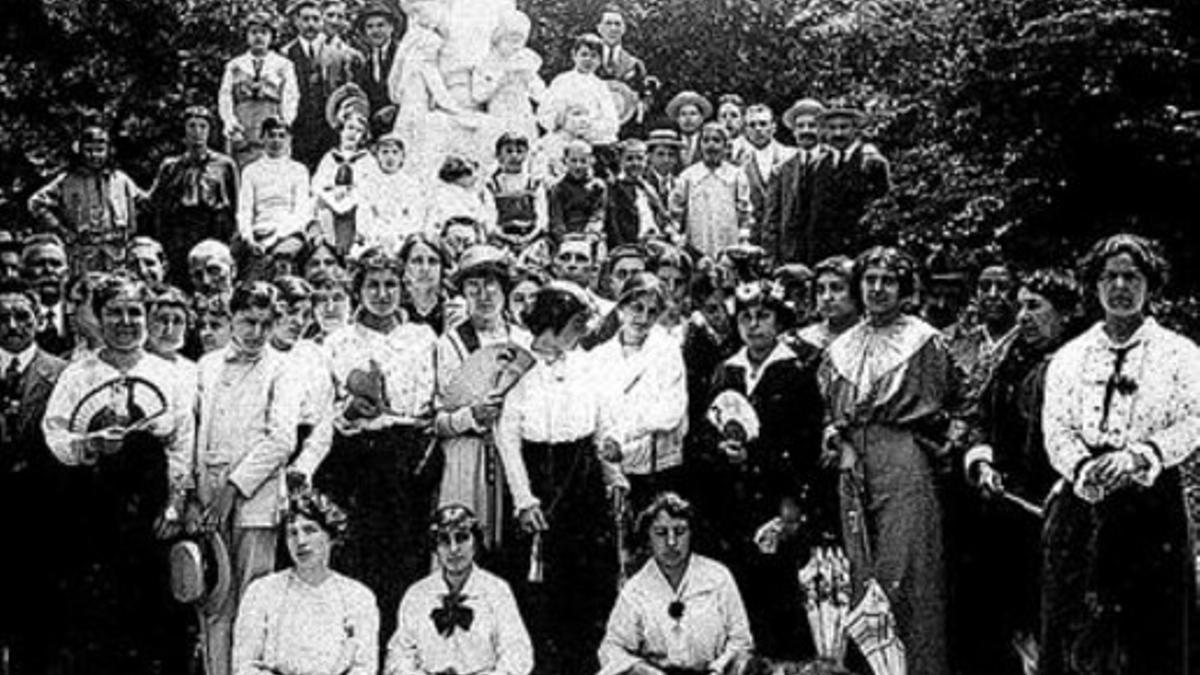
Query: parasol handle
536	573
1024	504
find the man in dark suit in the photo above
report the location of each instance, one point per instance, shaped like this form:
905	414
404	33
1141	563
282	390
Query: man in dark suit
27	377
377	24
321	67
765	158
616	63
784	232
44	267
848	176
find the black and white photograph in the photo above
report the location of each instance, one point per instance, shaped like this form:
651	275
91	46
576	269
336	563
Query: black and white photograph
600	337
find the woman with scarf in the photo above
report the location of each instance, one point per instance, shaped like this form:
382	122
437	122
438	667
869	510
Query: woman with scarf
1122	412
339	182
308	618
461	618
472	474
381	466
887	383
548	433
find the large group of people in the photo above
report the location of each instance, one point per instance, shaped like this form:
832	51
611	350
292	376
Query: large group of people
345	397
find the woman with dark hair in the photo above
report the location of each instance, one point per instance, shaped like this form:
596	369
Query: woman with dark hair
472	475
461	618
644	392
771	478
120	421
340	180
321	256
1001	538
833	296
169	320
331	302
308	618
547	435
681	613
888	383
379	465
526	281
1122	412
426	266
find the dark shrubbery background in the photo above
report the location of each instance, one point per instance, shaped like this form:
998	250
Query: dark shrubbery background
1030	126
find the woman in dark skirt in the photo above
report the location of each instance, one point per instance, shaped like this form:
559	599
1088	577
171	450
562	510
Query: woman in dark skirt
547	437
771	481
1122	412
380	466
120	421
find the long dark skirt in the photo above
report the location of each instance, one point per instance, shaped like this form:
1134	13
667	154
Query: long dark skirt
567	611
1118	591
374	476
120	617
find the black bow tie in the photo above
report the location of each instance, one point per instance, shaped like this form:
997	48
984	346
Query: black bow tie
452	613
675	609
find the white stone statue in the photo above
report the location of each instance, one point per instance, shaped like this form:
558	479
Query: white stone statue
507	81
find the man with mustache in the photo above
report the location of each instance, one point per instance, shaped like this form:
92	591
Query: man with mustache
44	266
765	157
783	232
27	376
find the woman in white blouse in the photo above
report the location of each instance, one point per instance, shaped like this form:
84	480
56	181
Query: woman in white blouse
681	613
1121	413
547	436
307	619
380	464
120	421
461	618
643	392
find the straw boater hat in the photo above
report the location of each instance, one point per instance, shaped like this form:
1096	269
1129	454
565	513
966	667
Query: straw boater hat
664	137
480	260
840	110
805	106
689	98
201	572
346	99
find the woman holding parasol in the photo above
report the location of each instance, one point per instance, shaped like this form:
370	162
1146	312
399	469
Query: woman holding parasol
469	398
1122	412
379	466
886	383
121	420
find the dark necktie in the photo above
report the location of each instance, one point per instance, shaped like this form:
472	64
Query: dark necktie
452	614
1117	382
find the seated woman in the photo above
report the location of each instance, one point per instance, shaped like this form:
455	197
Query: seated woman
460	618
681	613
307	618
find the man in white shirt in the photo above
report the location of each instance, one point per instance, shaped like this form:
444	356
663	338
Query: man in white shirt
274	201
248	413
766	157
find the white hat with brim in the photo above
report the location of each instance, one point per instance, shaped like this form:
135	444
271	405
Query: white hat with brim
804	107
689	98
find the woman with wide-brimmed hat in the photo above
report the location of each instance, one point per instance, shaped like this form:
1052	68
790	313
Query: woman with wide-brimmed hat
465	420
